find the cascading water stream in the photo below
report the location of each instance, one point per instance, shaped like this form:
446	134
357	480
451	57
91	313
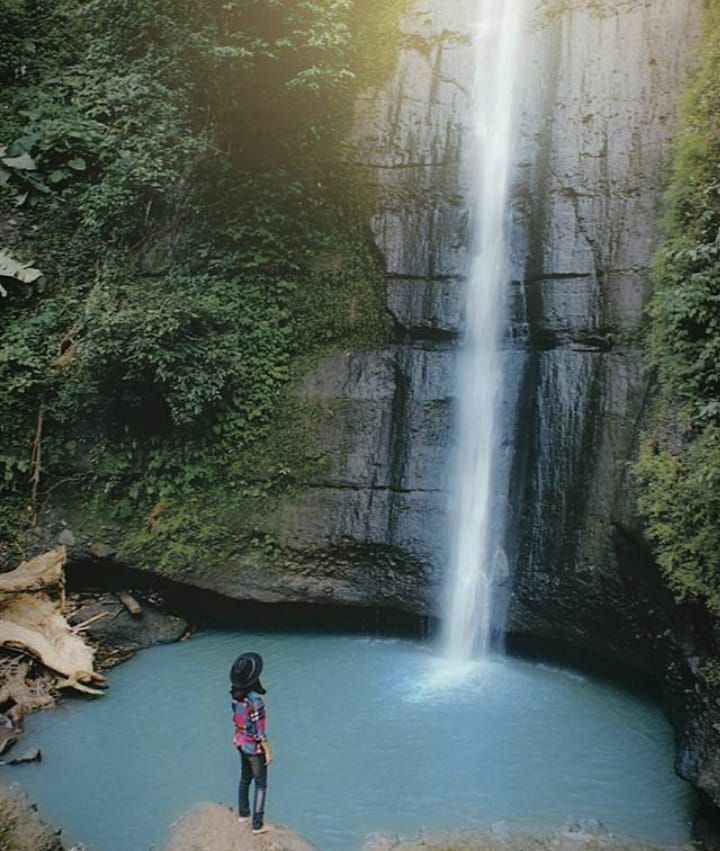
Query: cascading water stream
477	560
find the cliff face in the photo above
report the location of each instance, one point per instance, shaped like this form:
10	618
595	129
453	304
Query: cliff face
383	505
599	92
599	116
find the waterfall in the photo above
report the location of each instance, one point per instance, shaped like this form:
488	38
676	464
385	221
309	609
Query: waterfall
477	562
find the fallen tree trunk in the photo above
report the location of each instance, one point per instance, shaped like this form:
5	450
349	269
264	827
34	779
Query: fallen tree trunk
32	599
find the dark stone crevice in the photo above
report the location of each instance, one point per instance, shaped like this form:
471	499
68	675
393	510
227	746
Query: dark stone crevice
204	608
407	335
557	276
351	486
406	166
598	342
430	279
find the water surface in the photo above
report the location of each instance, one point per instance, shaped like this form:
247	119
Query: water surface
370	735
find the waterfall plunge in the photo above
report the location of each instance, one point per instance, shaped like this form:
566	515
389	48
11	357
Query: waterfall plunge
478	564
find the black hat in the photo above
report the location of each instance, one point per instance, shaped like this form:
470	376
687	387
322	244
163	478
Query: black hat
246	670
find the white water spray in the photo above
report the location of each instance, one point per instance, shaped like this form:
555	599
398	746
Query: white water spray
476	555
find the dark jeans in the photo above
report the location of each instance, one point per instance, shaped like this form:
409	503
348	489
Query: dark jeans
252	768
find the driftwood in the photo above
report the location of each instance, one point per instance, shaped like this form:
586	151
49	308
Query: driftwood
81	627
130	603
32	598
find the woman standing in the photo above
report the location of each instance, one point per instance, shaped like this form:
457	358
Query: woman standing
248	708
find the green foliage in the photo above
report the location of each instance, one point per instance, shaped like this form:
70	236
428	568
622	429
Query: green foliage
679	468
201	243
679	497
710	672
376	26
12	270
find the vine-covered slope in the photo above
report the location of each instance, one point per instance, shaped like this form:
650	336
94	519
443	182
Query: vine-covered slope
176	172
678	474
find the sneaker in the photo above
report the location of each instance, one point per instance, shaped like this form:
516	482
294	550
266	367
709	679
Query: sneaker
263	829
243	819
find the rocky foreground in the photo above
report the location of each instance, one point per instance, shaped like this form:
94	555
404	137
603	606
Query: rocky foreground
213	827
217	827
21	828
570	838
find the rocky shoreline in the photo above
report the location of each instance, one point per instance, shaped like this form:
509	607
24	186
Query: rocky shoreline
657	640
213	826
97	602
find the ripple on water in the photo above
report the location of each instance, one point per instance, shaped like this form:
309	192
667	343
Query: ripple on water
370	735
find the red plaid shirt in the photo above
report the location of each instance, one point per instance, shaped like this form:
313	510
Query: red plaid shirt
249	718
